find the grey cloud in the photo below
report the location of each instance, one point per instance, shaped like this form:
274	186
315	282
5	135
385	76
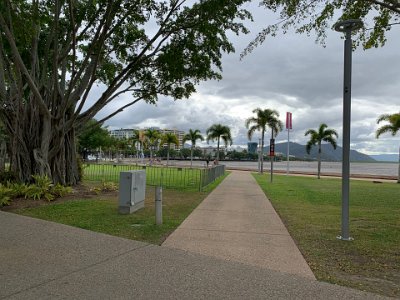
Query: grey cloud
288	73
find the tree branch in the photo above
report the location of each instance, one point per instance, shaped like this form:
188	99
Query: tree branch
19	62
393	6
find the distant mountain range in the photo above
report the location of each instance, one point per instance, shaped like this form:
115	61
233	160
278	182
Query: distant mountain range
328	153
386	157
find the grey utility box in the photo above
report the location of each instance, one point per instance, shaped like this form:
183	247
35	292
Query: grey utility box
132	188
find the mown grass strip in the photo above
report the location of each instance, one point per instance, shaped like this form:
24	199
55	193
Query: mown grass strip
311	210
101	215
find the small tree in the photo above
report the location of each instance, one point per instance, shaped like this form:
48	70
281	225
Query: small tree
185	153
317	137
393	127
192	136
92	137
218	131
169	138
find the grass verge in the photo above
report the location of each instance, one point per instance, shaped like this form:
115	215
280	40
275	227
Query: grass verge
311	211
101	215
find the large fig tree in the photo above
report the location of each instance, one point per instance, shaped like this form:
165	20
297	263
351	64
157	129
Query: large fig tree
63	61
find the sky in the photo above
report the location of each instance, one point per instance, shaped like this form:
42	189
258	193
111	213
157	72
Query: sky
292	73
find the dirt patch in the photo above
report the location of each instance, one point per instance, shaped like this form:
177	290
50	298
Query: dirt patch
79	192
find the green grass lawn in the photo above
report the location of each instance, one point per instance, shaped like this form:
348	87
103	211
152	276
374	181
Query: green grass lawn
101	214
311	210
171	177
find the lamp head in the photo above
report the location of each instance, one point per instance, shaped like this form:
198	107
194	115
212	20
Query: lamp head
348	25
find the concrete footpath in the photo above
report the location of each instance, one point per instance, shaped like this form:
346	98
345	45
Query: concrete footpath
45	260
237	222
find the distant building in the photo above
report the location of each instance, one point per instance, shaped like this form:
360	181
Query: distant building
252	147
209	151
179	134
128	133
122	133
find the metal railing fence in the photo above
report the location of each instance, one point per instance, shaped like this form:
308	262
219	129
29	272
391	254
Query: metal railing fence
168	177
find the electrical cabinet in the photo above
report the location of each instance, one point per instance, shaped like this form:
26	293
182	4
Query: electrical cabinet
132	190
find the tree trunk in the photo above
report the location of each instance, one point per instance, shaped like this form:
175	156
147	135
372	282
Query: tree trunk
262	153
167	155
218	151
272	159
3	152
43	148
319	161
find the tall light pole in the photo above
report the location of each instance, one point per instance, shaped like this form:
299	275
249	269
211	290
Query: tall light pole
259	155
347	27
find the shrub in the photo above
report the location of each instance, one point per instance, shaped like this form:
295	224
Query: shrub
18	189
7	176
80	168
105	187
5	195
59	190
42	188
109	186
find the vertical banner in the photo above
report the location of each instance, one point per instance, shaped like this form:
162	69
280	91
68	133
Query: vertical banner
288	120
272	147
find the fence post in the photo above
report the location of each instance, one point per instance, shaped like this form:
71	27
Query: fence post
158	204
201	180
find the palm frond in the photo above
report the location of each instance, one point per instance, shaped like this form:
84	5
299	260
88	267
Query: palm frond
384	117
331	140
310	131
309	146
384	129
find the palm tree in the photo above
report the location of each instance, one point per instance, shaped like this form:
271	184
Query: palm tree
263	119
192	136
152	136
317	137
218	131
169	138
393	127
134	142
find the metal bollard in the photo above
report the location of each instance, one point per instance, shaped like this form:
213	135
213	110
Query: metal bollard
158	205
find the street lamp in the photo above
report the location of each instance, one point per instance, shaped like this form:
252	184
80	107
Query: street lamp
347	27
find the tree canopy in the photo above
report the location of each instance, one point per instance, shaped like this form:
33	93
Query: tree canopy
192	136
392	127
93	136
218	132
322	134
53	54
264	118
318	16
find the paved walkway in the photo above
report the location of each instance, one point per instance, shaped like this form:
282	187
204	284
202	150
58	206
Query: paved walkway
45	260
237	222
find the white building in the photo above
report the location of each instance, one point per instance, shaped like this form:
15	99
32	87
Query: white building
122	133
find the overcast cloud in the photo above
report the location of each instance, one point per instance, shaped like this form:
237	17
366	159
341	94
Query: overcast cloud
287	73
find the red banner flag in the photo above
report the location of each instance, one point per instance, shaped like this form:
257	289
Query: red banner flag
288	120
